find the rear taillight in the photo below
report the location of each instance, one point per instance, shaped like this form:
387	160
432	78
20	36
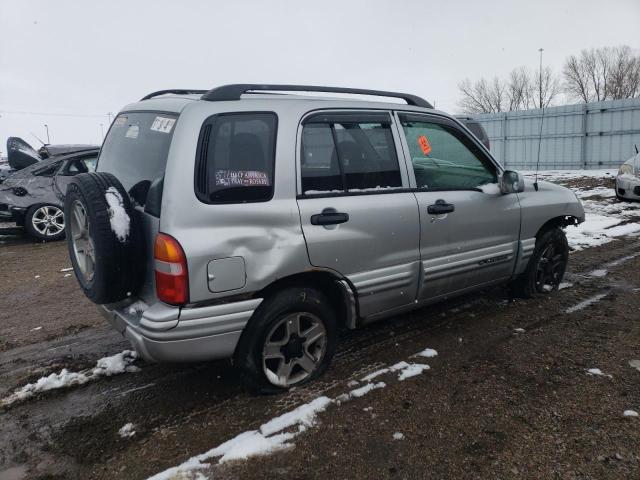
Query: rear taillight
172	280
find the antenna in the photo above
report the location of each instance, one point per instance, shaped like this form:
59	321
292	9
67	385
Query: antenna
636	145
535	183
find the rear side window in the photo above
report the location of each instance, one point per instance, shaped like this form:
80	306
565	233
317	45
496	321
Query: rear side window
235	158
136	150
347	155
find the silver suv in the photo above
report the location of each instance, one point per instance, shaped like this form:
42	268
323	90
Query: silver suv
248	223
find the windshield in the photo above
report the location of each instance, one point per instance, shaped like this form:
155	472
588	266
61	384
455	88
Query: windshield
136	149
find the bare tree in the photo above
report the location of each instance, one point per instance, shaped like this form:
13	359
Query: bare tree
483	96
517	92
519	89
550	88
607	73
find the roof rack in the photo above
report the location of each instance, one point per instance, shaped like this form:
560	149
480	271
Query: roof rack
176	91
233	92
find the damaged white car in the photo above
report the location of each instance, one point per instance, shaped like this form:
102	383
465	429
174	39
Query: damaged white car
628	179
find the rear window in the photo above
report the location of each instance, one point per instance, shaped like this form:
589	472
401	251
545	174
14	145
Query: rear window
136	149
235	158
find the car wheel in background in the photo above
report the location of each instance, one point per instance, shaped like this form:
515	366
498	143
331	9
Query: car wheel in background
289	341
104	238
546	266
45	222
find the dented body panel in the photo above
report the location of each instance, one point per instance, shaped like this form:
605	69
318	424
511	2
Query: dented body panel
390	256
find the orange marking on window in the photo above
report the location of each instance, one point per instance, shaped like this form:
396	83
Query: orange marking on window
425	146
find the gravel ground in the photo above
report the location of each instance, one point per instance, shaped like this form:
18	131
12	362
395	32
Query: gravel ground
508	395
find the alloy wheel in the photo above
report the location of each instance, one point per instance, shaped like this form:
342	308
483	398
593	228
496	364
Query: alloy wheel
48	220
294	349
83	247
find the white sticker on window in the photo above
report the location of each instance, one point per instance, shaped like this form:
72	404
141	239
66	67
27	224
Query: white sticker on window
132	131
163	124
241	178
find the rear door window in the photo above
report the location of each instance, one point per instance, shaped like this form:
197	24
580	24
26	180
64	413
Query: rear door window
348	153
235	158
136	150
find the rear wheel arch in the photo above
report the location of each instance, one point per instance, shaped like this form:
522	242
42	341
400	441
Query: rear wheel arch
338	290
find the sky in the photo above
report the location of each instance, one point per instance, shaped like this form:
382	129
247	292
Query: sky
69	64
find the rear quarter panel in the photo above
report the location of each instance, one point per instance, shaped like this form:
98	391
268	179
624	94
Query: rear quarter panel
267	235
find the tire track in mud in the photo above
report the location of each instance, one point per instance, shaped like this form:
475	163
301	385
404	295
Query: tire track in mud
175	399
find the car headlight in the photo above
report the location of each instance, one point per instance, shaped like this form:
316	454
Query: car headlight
625	169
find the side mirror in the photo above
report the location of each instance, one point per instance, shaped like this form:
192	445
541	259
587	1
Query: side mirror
511	182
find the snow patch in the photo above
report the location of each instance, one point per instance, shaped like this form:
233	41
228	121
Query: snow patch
597	372
598	273
490	188
398	436
587	302
427	353
105	367
67	269
412	370
630	413
137	307
362	391
564	285
519	330
127	431
635	364
269	438
120	221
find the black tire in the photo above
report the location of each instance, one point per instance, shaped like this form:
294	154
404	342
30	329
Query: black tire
529	284
35	214
248	357
119	262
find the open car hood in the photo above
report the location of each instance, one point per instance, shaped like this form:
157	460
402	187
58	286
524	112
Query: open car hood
20	154
47	151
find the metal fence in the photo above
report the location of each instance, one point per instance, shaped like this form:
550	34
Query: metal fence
592	135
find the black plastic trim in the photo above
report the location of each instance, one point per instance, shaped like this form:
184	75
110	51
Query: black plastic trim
235	91
385	191
176	91
349	117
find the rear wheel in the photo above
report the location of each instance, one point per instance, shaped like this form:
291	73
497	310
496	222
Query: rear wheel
45	222
546	266
289	341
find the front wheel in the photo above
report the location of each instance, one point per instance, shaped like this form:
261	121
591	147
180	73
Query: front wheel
45	222
289	341
546	266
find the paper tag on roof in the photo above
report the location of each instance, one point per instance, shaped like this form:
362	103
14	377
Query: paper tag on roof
163	124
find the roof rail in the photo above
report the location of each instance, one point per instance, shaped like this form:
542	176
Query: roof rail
233	92
176	91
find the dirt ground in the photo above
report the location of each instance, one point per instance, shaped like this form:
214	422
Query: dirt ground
498	402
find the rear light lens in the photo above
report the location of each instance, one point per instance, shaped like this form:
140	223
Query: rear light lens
172	279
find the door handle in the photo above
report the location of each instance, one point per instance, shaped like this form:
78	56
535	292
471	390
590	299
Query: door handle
441	207
329	216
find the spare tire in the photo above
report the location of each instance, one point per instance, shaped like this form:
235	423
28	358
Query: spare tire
104	237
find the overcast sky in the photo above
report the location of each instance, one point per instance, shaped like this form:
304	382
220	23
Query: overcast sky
68	63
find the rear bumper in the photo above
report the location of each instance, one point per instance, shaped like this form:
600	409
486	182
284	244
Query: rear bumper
628	188
162	333
9	213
